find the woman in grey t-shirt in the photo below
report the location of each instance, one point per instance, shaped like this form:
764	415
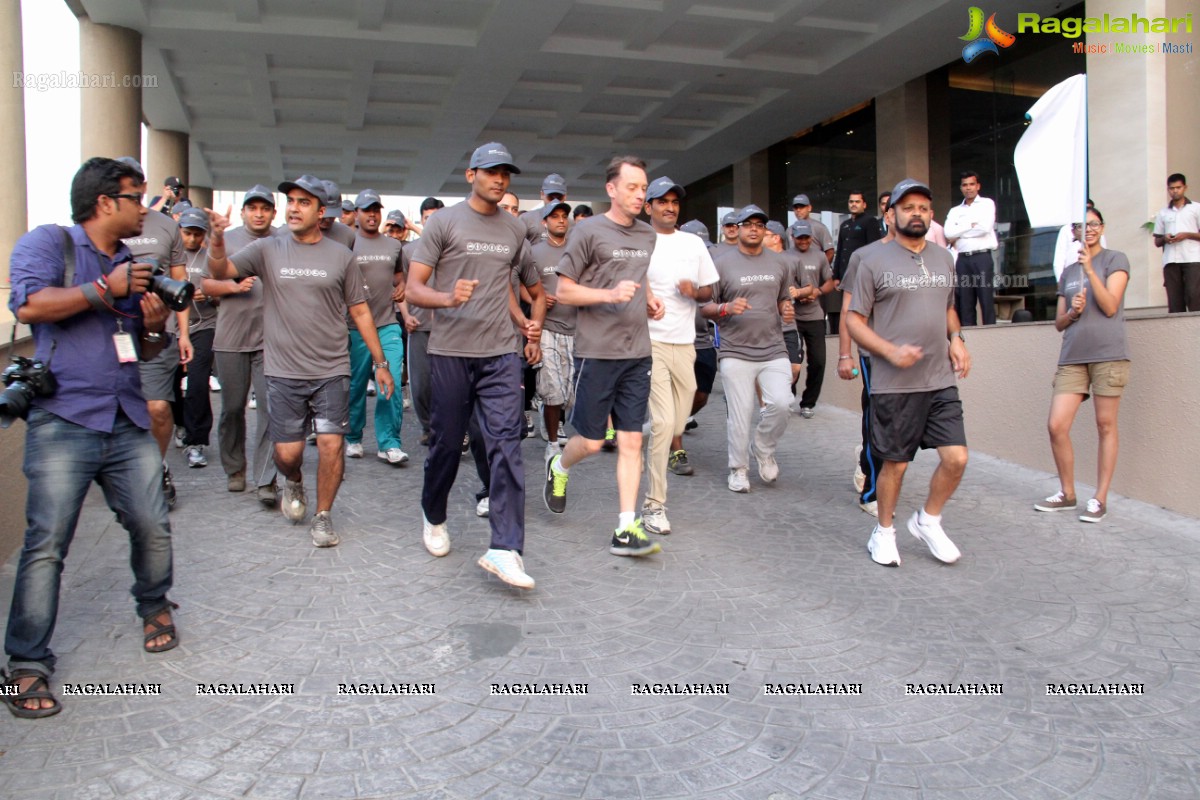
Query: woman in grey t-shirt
1094	358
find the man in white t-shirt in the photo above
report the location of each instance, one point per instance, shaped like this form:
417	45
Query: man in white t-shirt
681	274
1177	232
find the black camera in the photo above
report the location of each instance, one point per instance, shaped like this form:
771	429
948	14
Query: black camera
176	294
25	379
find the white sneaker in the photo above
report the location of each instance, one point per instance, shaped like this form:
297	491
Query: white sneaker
178	436
214	385
768	469
354	450
406	400
935	539
739	481
871	508
322	532
508	567
292	501
183	384
654	519
252	404
195	456
483	507
436	538
393	455
552	450
882	547
370	388
860	477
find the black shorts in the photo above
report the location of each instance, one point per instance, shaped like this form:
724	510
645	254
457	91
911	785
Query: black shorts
293	405
706	369
618	387
792	340
902	423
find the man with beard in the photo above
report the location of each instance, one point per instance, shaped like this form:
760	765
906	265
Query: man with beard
902	312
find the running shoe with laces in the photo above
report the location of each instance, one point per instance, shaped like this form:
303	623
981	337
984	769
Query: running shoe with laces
1094	511
370	388
178	437
1056	502
436	537
393	455
632	541
354	450
214	385
483	507
507	566
292	501
871	508
195	456
252	403
690	425
807	412
322	531
679	464
268	495
654	519
610	441
935	538
768	469
882	547
555	490
168	486
739	481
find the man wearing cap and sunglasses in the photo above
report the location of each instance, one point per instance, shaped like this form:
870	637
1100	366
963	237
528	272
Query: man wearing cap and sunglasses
309	283
681	274
238	348
749	301
902	311
463	266
379	260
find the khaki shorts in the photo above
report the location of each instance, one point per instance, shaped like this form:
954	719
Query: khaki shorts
1104	378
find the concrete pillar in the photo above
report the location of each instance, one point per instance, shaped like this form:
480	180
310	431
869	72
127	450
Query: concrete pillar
1127	162
13	211
937	101
901	135
751	182
166	155
111	112
1183	110
201	197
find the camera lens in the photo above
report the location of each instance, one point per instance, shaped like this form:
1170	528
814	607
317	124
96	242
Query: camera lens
176	294
14	403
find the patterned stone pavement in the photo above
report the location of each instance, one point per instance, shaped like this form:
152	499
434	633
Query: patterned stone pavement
773	587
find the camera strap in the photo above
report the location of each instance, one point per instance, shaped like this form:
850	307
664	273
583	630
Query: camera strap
68	251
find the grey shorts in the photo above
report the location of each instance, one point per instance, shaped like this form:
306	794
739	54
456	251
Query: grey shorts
294	405
158	374
554	380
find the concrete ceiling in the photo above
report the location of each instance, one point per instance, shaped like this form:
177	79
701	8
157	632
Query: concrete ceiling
395	94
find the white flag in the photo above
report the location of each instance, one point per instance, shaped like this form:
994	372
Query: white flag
1051	158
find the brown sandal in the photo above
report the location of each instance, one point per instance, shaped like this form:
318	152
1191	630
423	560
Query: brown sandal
160	628
38	690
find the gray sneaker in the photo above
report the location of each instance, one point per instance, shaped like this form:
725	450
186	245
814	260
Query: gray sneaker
195	456
1094	511
292	501
1056	502
322	531
268	495
654	519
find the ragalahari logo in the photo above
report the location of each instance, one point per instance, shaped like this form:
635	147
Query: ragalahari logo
983	38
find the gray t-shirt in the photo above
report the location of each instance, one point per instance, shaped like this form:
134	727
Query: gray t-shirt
600	255
342	234
424	316
560	318
306	291
160	240
379	260
798	277
459	243
822	238
204	313
1094	337
240	316
816	266
704	336
904	297
755	334
535	231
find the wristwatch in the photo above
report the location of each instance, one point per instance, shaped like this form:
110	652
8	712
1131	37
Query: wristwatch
959	334
381	365
152	336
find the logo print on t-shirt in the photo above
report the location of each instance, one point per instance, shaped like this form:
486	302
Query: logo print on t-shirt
488	247
628	253
296	272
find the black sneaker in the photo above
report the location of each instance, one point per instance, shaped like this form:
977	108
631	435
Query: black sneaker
610	441
528	425
555	491
679	464
691	425
632	541
168	487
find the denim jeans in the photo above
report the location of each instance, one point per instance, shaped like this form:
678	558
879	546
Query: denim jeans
61	461
389	412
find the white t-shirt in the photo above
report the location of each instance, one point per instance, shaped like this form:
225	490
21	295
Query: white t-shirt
1179	220
678	256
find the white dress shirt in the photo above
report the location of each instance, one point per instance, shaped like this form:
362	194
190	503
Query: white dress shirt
972	228
1179	220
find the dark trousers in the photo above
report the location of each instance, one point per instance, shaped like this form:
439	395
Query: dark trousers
1182	281
976	283
418	376
197	405
490	389
812	335
868	462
